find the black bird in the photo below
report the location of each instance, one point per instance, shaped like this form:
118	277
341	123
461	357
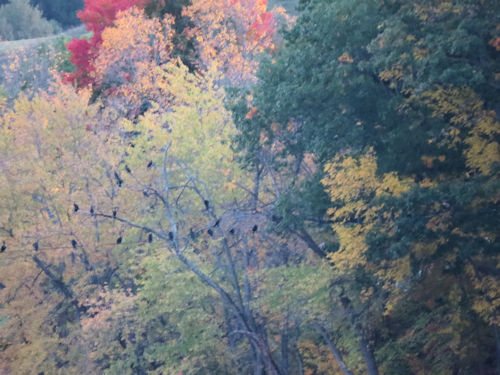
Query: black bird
119	180
255	227
144	107
217	223
3	248
210	232
118	240
2	286
114	214
207	204
150	164
127	169
35	246
145	193
192	235
131	144
170	236
74	244
150	237
345	301
75	207
122	342
276	219
231	231
91	210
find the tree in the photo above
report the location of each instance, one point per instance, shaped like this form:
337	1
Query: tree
391	107
19	20
97	15
46	285
89	269
129	62
232	34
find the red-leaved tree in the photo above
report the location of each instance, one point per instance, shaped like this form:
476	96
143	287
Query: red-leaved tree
97	15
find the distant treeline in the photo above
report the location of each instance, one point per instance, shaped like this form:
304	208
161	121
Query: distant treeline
62	11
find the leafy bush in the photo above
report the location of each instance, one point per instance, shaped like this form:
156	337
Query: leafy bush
19	20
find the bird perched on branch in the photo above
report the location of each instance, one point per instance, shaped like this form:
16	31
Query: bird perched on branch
192	234
118	179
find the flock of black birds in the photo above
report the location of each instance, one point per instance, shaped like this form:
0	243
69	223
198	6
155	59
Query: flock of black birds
119	182
193	235
119	240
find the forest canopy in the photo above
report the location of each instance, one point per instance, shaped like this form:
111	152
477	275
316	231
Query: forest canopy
218	187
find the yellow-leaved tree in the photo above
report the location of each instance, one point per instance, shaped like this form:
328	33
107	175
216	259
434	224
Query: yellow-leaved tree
126	67
232	34
54	169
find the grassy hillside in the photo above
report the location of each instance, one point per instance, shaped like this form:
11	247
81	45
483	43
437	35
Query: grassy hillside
9	46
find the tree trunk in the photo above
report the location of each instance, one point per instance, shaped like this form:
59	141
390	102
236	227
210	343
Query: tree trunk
497	345
259	368
333	348
368	356
299	362
284	349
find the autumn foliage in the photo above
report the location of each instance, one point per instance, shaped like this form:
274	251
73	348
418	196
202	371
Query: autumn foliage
128	66
323	200
231	34
97	15
228	33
